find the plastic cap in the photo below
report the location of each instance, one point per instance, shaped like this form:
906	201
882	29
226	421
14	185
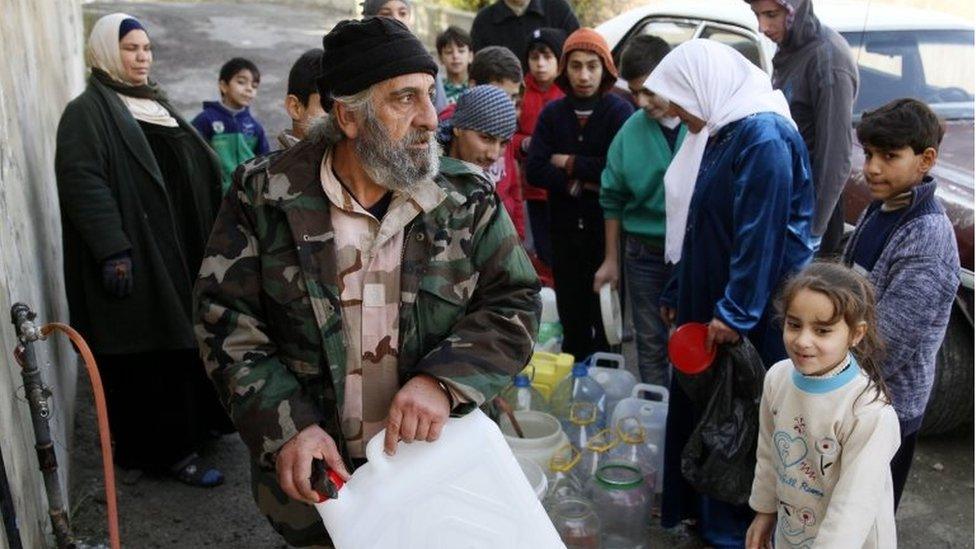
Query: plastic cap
521	380
580	369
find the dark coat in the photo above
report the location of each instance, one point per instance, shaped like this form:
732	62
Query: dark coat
498	25
113	198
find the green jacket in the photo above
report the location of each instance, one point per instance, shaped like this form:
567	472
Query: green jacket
632	183
268	319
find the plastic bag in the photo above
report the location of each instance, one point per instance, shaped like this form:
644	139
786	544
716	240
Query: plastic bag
719	459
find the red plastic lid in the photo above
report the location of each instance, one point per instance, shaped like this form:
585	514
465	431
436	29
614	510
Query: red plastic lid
687	350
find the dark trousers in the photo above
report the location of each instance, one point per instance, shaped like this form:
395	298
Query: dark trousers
539	224
901	464
161	407
831	244
577	252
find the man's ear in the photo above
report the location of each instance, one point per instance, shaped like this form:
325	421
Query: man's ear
347	120
294	107
929	156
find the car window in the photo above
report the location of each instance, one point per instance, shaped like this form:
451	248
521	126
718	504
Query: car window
893	64
673	32
739	42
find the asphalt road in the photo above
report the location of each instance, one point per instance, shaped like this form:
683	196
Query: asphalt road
191	41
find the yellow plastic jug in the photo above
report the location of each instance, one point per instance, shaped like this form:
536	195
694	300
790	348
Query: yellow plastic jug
546	370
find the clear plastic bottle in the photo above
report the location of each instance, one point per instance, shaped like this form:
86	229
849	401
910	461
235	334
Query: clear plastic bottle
578	387
577	523
597	451
582	423
522	396
561	475
633	448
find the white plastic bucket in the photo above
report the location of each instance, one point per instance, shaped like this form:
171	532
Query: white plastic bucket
464	490
543	435
534	474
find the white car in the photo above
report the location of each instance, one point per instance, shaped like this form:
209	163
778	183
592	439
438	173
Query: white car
900	52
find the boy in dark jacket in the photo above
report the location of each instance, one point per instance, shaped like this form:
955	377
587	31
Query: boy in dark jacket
227	124
566	157
905	245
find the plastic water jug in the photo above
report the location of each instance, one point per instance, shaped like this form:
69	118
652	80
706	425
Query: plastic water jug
579	387
550	338
561	475
520	395
632	447
599	448
543	436
609	370
464	490
582	423
652	413
546	370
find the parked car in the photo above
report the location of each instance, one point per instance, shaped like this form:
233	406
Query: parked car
900	52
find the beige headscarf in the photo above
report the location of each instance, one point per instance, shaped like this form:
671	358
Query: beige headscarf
103	53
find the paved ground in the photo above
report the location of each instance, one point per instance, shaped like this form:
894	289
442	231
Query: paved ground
191	41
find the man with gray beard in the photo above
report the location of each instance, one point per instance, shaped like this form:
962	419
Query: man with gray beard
357	281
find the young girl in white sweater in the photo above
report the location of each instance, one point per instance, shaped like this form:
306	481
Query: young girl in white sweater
827	428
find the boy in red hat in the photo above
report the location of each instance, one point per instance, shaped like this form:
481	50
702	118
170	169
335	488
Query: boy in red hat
566	157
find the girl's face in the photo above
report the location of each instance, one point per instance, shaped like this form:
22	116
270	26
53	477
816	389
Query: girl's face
815	344
137	56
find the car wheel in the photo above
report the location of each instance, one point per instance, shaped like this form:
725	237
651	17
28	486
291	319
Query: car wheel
951	402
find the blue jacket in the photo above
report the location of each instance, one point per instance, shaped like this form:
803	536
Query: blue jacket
915	280
236	138
558	132
748	230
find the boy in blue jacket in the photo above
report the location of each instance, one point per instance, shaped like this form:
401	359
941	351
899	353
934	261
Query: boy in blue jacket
227	124
632	197
566	157
905	245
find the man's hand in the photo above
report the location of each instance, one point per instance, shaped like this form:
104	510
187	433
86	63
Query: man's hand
294	462
418	412
559	160
668	314
609	272
760	533
719	333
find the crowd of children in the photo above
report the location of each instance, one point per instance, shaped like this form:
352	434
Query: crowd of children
580	167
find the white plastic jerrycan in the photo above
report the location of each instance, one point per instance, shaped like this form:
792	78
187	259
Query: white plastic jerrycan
464	491
652	413
616	380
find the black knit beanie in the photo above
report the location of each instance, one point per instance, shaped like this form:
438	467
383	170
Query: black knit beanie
360	53
552	37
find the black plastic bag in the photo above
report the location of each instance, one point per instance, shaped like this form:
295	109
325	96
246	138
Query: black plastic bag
719	459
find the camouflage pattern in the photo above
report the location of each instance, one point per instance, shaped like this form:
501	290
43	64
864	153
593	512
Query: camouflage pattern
270	323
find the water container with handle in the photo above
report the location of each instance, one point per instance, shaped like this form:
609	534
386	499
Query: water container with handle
649	404
465	486
609	370
543	435
521	396
579	387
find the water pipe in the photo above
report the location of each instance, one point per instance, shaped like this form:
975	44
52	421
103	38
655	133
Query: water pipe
37	397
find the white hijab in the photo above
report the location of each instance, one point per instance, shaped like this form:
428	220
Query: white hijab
103	53
718	85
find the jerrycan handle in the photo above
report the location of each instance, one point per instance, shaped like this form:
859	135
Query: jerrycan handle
617	361
655	390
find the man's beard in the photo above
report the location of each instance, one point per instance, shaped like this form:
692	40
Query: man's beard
393	164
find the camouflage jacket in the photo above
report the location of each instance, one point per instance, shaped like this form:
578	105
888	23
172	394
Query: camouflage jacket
268	311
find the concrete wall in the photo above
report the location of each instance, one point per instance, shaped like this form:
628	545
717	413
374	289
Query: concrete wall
41	69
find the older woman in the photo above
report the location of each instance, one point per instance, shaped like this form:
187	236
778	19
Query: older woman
739	200
138	190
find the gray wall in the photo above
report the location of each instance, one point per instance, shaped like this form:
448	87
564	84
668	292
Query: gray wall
41	69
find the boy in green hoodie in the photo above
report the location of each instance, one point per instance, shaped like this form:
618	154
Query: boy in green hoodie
632	198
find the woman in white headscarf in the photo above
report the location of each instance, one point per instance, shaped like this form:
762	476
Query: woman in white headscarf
738	200
138	190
